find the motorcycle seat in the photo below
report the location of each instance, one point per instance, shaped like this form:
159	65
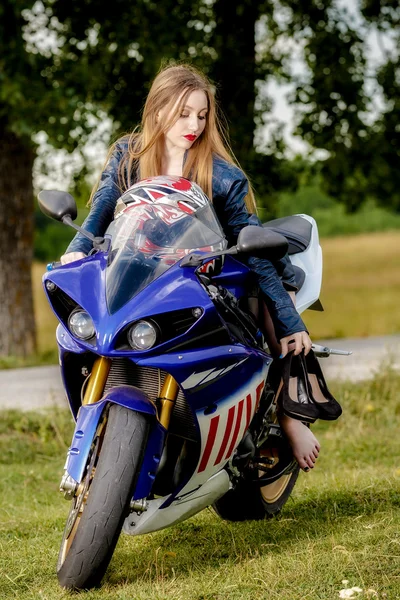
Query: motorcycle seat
295	229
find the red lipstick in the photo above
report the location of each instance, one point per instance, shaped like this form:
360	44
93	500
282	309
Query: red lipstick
191	137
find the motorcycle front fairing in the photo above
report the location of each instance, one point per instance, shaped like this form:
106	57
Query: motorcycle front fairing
204	370
202	357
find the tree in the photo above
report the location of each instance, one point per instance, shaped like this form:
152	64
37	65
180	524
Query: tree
61	65
237	71
337	90
17	101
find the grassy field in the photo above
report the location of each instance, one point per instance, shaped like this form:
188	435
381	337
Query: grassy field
360	291
360	287
340	530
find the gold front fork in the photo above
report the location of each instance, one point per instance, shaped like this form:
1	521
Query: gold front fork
97	381
167	400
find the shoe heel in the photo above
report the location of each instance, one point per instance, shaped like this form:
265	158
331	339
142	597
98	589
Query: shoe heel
293	395
330	408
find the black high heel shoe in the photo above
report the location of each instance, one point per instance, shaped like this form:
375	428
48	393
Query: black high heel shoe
293	395
329	407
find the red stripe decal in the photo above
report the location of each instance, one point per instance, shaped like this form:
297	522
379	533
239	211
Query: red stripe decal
237	428
227	433
209	444
248	411
259	390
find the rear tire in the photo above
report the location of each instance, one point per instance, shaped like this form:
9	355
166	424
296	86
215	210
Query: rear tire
249	502
97	514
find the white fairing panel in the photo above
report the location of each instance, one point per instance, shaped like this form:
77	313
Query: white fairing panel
222	430
311	262
182	508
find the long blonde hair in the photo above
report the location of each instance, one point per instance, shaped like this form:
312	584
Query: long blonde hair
146	144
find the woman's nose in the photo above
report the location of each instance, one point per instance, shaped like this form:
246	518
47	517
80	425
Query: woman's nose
194	123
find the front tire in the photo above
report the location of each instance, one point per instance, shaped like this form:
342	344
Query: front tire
98	511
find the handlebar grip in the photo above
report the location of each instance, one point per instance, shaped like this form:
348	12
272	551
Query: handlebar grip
53	265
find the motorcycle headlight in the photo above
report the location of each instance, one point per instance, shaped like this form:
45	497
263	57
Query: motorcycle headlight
81	325
142	335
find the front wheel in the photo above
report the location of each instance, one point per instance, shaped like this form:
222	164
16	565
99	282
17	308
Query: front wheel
98	511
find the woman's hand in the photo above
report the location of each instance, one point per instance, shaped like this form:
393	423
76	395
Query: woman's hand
71	257
296	341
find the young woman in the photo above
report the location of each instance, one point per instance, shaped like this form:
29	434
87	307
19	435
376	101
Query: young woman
180	135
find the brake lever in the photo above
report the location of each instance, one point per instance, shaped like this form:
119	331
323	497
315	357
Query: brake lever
324	351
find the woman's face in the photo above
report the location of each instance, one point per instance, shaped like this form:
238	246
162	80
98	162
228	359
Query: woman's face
191	123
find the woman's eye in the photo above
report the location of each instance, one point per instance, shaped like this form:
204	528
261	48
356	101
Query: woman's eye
183	116
202	118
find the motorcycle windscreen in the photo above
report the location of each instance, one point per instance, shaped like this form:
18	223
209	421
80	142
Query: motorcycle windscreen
147	239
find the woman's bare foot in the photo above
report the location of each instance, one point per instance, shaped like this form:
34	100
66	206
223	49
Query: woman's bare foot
303	442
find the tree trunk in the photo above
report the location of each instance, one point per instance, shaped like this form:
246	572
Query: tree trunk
17	323
235	71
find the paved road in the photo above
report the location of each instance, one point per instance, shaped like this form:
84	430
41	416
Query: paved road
40	387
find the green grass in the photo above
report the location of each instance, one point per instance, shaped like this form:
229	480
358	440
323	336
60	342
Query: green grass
360	287
342	523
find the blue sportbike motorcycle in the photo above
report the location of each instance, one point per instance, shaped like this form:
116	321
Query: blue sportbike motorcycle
165	369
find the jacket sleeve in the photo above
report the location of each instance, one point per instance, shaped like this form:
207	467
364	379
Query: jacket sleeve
286	273
285	317
103	204
283	265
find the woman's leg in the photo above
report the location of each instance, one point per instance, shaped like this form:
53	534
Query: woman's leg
303	442
267	327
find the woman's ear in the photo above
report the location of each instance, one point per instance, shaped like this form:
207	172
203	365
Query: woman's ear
159	116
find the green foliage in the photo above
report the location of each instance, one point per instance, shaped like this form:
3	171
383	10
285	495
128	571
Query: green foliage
335	95
51	237
122	51
369	218
332	218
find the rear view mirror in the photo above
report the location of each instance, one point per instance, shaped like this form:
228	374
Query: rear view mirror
262	243
57	205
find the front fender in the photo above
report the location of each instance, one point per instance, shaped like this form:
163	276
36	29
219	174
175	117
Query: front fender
86	425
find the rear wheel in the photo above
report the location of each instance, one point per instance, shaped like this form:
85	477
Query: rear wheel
102	502
251	502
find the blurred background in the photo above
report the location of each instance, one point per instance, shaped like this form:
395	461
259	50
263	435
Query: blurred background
311	95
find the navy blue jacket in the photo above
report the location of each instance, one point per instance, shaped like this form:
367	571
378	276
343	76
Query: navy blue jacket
230	187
